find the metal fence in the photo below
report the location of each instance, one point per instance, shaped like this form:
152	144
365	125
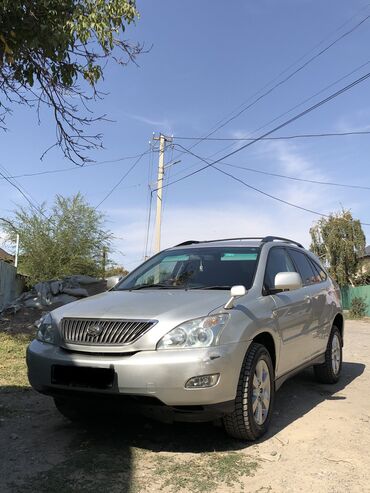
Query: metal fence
9	288
348	293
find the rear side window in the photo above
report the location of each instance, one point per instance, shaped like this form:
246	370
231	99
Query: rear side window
304	267
278	261
320	273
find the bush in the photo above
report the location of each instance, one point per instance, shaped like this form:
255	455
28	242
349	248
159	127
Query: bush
358	307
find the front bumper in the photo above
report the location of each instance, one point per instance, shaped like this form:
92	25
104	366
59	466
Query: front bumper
158	374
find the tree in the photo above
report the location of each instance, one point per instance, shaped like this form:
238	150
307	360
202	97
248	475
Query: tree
339	241
115	270
53	51
70	240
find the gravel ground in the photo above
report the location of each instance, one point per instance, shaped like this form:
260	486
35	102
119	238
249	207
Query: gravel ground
319	441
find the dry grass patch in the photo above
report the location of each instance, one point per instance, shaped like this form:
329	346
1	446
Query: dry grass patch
204	472
13	369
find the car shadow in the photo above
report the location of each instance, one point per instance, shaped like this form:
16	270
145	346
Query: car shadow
111	443
297	397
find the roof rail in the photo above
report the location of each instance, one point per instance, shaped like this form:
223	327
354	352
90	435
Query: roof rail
191	242
267	239
264	239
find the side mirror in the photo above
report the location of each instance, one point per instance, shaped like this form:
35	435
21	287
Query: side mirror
288	281
235	292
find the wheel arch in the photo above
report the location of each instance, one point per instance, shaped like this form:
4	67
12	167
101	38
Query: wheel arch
339	323
266	339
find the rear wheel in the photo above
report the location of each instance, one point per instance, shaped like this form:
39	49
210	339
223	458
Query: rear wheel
329	371
255	396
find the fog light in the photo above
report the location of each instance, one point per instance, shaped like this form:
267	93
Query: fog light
202	381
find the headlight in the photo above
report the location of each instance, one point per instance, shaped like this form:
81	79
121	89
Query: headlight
46	330
201	332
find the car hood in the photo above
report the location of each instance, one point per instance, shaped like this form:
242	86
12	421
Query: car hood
168	307
154	304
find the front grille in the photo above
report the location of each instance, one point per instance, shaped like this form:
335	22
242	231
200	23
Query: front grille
103	332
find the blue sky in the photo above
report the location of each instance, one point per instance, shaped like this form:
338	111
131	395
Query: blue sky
207	58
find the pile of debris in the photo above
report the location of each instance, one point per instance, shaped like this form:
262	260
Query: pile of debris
58	292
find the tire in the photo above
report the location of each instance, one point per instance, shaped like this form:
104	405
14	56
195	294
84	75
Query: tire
329	371
250	420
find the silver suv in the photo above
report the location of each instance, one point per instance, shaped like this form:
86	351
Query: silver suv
201	331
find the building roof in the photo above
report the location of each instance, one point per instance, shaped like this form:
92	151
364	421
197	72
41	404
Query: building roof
7	257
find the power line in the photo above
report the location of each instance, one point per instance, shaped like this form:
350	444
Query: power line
283	137
121	179
314	57
223	123
301	103
278	199
315	182
291	204
287	177
282	125
148	225
60	170
149	205
24	194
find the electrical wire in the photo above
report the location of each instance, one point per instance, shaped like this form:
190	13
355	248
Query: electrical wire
305	180
283	137
301	103
273	197
167	177
148	224
223	123
291	204
60	170
282	125
149	204
121	179
24	194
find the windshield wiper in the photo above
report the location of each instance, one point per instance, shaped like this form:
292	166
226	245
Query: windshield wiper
159	285
213	287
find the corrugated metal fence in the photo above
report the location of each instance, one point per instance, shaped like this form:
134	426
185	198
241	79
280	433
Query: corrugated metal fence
8	283
348	293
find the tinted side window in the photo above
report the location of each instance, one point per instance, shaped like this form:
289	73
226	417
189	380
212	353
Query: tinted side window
304	267
278	261
322	275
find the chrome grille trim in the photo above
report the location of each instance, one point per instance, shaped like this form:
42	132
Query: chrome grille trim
114	332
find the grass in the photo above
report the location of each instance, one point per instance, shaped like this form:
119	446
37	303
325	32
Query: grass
205	472
106	465
13	370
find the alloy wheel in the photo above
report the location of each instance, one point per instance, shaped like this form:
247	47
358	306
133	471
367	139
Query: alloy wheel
261	392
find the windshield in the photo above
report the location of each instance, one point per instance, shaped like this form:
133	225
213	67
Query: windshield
195	268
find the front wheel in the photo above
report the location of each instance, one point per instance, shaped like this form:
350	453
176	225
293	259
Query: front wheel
255	396
329	371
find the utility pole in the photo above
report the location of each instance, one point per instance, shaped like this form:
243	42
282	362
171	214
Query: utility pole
158	218
104	260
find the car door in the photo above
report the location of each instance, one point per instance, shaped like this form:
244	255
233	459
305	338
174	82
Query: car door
321	308
315	299
292	313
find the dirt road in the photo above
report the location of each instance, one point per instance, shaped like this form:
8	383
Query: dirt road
319	441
